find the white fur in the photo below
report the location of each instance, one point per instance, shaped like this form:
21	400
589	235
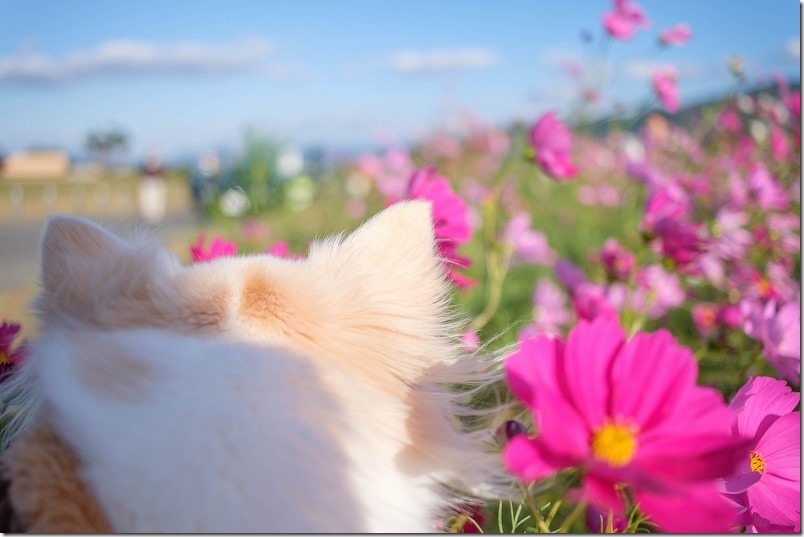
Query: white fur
331	417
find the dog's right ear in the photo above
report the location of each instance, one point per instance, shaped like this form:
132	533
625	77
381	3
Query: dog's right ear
70	243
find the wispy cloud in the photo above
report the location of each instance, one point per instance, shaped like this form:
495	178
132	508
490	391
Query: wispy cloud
437	61
136	57
792	48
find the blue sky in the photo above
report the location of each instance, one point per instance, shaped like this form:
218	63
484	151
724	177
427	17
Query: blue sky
184	75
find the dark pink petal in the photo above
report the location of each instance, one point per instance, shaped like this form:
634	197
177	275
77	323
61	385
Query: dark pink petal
780	447
531	365
776	500
524	458
591	347
759	398
692	509
601	492
654	360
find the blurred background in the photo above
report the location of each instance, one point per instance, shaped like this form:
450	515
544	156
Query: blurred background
190	115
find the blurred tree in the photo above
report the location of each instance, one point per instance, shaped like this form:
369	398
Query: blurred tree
104	145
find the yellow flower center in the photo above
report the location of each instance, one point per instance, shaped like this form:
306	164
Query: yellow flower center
757	462
614	443
5	359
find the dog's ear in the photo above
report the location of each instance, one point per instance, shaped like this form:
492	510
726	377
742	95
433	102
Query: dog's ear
394	255
70	243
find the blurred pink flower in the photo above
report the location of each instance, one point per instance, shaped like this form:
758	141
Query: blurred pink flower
626	18
279	249
705	318
668	201
220	247
664	84
470	341
617	261
768	193
669	444
730	316
529	245
550	312
778	143
729	121
590	301
678	241
779	331
677	35
568	274
11	355
767	484
450	219
552	142
657	291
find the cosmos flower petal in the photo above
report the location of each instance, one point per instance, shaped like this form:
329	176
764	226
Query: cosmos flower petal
526	458
692	509
780	447
776	500
761	397
587	379
532	365
678	371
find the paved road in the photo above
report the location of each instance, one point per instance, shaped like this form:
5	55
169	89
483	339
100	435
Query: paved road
19	244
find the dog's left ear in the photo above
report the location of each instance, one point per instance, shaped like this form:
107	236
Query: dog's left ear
394	252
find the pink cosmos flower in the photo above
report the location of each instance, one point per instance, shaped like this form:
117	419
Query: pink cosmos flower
220	247
617	261
657	291
768	192
779	331
669	444
767	483
626	18
677	35
664	84
729	121
450	219
552	142
529	245
568	274
705	318
778	144
590	302
550	311
10	357
678	241
470	341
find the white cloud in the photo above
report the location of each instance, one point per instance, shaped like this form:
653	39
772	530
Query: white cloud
436	61
792	48
136	57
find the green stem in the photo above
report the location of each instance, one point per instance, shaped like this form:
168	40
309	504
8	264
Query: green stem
537	514
572	517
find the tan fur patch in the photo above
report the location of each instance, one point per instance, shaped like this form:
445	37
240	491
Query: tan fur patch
45	489
259	299
106	371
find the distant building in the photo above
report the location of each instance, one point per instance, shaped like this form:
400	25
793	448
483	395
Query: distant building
35	165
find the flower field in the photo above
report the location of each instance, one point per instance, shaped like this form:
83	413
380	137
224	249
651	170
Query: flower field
643	281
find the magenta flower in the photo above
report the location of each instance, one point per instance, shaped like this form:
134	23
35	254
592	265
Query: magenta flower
568	274
529	245
677	35
590	302
778	144
664	84
617	261
11	355
678	241
552	142
779	332
219	248
626	18
767	483
768	193
669	444
450	219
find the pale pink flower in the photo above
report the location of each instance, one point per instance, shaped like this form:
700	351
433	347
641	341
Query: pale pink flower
219	247
668	444
768	193
657	291
623	22
767	483
552	142
664	84
530	245
779	331
470	341
550	312
705	318
677	35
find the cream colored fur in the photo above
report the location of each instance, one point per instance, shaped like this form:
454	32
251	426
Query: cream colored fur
255	393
